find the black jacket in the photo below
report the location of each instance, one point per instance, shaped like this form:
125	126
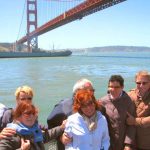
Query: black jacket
59	113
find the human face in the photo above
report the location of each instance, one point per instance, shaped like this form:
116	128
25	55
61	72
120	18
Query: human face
24	97
115	89
28	118
142	84
88	108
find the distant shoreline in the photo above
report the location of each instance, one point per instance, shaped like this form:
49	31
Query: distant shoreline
9	47
113	48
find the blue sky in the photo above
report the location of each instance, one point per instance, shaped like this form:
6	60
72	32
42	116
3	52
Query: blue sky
126	24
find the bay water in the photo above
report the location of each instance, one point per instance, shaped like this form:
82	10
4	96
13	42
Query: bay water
52	78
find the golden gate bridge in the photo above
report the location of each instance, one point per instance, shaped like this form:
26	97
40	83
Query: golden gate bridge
79	11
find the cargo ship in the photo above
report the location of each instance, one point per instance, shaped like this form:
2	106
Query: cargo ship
61	53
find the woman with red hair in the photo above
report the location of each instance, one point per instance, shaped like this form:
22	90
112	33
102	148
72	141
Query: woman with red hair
27	129
87	127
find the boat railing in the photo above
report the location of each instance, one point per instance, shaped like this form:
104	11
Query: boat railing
51	145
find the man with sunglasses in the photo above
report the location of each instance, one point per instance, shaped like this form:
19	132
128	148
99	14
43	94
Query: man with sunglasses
117	103
141	97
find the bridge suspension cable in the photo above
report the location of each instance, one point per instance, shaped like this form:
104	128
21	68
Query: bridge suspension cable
23	12
83	9
49	9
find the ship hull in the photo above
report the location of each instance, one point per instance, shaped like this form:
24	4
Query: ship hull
35	54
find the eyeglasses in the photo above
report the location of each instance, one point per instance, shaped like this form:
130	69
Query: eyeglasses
141	83
114	87
90	103
25	98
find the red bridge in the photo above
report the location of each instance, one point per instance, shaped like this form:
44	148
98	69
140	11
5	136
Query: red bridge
78	12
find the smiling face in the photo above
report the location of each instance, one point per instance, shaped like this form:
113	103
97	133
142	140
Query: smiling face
88	108
24	97
142	84
85	102
26	113
115	89
28	118
24	93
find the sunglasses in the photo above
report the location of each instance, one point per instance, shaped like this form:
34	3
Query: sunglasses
90	103
28	113
25	98
141	83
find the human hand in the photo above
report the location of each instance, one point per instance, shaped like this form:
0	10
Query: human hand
130	120
63	124
127	148
143	110
65	139
25	144
6	133
43	127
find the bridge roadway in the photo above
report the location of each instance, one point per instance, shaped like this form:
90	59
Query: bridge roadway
86	8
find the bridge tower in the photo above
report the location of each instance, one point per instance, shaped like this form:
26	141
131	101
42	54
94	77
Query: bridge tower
32	42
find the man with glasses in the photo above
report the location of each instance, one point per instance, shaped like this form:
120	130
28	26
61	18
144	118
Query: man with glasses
141	97
117	103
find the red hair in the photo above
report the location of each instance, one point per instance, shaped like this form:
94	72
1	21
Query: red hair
24	106
81	97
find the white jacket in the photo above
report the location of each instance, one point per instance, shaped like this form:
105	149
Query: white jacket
83	139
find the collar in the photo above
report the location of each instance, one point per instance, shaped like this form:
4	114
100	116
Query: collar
91	122
112	98
24	130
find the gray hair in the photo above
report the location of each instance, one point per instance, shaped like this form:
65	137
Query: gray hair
82	84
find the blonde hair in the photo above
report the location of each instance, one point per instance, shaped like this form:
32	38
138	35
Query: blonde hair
25	89
143	73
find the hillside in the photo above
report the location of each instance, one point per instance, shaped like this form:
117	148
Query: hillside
9	47
5	46
113	48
